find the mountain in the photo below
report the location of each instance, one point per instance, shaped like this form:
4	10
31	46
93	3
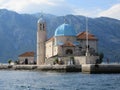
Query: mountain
18	32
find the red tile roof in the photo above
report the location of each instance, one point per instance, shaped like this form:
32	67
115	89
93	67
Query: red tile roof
27	54
68	44
83	36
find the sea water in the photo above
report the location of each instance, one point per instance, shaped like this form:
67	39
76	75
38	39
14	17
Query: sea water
37	80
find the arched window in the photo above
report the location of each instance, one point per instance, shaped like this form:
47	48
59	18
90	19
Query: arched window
43	26
40	26
69	51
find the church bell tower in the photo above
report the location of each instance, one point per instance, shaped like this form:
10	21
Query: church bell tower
41	39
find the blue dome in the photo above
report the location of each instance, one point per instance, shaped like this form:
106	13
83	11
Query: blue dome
65	30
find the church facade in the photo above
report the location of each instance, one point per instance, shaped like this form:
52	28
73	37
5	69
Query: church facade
65	44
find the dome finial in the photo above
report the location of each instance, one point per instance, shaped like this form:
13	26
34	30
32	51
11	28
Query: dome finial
41	19
41	14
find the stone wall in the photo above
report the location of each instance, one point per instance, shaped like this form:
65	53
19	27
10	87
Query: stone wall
82	59
22	60
101	68
51	60
49	49
92	44
64	39
59	68
78	60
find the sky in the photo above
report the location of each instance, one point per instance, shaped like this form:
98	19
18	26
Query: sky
90	8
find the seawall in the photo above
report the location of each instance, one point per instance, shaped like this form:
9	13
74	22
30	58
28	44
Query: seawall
101	68
59	68
85	68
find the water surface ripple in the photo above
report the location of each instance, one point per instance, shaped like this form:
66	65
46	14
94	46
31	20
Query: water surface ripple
36	80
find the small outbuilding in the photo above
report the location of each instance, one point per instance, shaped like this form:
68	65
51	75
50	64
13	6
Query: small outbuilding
27	58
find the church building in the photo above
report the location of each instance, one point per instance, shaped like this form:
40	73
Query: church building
65	43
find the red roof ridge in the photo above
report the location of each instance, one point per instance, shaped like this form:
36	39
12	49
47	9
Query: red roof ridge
69	44
27	54
83	36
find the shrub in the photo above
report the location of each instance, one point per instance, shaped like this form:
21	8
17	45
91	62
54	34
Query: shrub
9	61
100	60
56	61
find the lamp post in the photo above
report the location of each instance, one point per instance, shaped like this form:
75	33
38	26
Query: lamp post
87	51
87	36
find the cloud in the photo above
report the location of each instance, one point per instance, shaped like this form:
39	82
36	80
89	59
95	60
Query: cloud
86	12
33	6
14	5
58	7
113	12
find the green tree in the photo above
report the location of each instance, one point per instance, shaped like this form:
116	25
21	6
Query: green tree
72	58
9	61
56	61
16	62
101	56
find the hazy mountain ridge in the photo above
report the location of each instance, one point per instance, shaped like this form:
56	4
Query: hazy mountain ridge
18	32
